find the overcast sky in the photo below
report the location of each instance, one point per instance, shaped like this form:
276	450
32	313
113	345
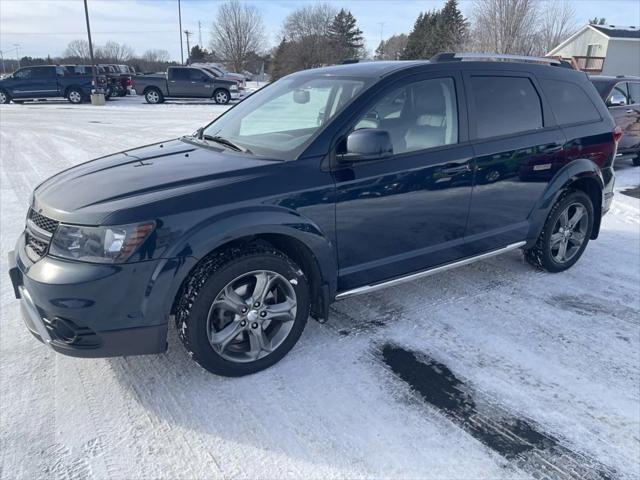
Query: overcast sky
43	27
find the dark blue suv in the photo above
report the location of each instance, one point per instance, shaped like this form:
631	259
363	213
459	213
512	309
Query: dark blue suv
325	184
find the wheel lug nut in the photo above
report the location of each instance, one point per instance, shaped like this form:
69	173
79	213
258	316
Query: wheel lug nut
254	325
244	310
263	314
243	323
257	304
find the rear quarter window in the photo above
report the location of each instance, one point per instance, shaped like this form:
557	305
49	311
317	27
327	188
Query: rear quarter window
569	102
505	105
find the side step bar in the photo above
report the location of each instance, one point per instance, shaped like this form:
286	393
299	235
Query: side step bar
428	272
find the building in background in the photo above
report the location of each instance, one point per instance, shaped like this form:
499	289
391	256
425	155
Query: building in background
602	50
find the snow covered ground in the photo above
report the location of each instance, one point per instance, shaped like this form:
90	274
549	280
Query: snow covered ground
493	370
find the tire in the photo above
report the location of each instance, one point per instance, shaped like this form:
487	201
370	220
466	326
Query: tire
221	326
153	96
4	97
562	230
75	96
221	96
636	161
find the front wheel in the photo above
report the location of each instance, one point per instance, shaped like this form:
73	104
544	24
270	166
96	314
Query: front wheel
565	234
221	96
241	311
75	96
636	161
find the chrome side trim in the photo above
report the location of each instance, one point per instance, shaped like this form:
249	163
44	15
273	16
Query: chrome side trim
34	316
426	273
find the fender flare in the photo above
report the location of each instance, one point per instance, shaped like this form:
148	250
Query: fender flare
199	241
578	169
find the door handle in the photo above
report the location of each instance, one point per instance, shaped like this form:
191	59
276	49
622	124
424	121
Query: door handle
453	168
552	149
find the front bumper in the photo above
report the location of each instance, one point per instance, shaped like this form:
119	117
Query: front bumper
235	95
90	310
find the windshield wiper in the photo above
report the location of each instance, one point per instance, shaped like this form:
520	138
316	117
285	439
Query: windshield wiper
226	142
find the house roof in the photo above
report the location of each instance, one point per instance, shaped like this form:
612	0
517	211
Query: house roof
610	31
617	31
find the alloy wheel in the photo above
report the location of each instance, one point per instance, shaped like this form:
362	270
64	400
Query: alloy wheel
252	316
3	97
153	96
222	97
569	233
75	96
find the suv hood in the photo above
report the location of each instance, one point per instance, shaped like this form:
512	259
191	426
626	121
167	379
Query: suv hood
90	192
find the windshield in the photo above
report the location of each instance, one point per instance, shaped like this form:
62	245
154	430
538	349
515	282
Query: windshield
281	119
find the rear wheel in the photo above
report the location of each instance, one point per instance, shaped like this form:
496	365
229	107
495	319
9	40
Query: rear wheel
153	95
74	95
241	311
565	234
4	97
636	161
221	96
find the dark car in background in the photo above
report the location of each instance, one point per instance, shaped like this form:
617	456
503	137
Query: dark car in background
622	96
185	82
119	82
86	70
45	82
329	183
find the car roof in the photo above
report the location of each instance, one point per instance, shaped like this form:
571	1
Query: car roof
610	78
366	69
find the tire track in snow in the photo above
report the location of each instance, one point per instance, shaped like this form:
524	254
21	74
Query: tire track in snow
514	438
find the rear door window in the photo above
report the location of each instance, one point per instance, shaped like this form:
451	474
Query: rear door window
505	105
569	102
180	73
634	93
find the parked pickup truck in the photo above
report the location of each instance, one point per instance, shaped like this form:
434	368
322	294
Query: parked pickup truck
42	82
185	82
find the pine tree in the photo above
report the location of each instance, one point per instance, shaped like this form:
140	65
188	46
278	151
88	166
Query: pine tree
345	37
598	21
453	28
279	65
197	54
422	40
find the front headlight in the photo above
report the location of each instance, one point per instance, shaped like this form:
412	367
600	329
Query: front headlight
109	244
233	88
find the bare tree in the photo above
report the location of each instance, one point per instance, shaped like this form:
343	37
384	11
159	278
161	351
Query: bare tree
155	56
557	23
78	49
392	48
506	26
308	29
237	31
115	52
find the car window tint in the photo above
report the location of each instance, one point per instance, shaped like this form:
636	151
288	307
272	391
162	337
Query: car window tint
196	75
180	74
23	74
634	92
417	116
620	90
505	105
569	102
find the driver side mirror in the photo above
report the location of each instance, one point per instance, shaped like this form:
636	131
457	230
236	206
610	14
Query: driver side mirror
617	100
365	145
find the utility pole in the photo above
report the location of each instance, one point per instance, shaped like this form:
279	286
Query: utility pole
180	31
187	34
93	63
200	33
2	58
17	45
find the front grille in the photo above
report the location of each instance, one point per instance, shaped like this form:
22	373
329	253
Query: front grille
38	234
43	222
38	247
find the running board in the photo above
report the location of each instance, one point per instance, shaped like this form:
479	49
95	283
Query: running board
426	273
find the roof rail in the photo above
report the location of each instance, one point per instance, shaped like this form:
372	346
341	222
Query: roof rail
497	57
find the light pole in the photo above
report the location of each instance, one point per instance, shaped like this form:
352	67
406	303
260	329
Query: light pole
180	32
2	58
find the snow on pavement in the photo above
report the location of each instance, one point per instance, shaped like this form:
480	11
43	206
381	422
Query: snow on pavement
494	370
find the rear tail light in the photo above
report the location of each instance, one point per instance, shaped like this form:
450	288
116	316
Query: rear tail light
617	134
129	81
